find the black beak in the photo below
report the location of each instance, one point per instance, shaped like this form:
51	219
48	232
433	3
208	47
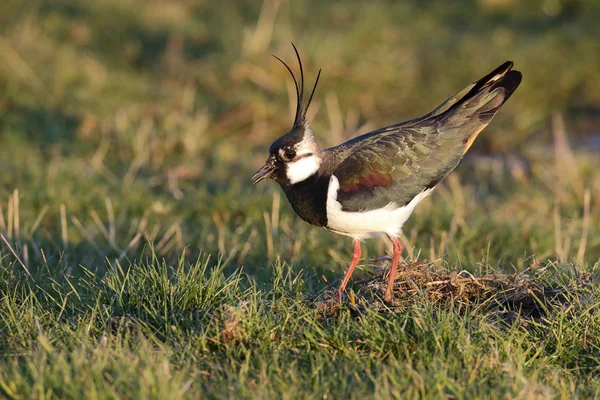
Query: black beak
263	173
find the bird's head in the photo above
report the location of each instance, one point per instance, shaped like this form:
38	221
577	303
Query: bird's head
295	156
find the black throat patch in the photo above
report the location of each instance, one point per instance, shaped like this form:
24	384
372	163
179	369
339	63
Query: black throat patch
309	198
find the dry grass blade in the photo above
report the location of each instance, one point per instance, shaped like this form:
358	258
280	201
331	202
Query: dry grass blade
14	253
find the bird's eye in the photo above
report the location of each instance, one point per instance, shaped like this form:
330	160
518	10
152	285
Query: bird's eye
287	154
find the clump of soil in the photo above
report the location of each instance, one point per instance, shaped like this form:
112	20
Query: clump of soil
525	297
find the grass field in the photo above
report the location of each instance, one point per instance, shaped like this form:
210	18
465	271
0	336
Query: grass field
138	261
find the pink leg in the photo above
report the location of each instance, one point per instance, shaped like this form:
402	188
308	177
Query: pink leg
395	261
355	259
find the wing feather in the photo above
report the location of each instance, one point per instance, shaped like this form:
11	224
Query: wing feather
396	163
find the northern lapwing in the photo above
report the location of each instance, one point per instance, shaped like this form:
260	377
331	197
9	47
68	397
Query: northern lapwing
370	185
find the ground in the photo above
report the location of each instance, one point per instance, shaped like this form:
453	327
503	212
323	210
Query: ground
138	261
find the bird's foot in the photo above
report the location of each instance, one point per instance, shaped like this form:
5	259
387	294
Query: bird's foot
389	295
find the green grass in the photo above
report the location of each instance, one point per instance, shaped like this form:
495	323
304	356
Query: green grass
137	260
159	331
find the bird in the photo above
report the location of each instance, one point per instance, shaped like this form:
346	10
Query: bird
369	186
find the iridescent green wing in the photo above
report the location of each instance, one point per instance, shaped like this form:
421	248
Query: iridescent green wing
394	164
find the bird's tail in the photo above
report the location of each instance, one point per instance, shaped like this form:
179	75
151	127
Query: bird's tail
473	108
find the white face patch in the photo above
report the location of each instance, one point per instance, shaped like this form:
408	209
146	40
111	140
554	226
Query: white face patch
306	161
302	168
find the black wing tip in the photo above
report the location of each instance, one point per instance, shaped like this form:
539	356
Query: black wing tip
503	76
506	66
508	79
510	82
512	77
503	69
500	71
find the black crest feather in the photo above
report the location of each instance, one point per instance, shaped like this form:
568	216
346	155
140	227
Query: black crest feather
301	109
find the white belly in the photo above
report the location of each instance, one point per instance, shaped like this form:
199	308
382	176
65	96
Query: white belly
367	224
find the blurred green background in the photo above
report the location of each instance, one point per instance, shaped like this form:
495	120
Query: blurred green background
128	123
128	133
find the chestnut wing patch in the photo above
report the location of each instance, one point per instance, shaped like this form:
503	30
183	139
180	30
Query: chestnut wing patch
394	167
367	181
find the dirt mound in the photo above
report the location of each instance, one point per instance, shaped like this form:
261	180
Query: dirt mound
525	297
